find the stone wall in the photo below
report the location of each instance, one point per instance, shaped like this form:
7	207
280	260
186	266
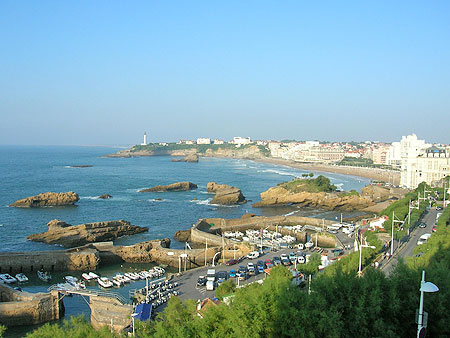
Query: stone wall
14	262
107	311
23	308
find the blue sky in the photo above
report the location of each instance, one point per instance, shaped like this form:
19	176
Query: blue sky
103	72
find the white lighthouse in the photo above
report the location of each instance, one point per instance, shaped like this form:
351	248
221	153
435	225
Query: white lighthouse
145	140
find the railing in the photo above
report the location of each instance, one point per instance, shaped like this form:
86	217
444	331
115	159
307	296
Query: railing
90	293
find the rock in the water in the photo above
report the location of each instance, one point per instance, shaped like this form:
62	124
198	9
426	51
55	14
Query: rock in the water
192	158
225	194
48	199
68	235
278	196
179	186
105	196
182	235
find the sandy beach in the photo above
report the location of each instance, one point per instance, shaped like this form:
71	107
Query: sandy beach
372	173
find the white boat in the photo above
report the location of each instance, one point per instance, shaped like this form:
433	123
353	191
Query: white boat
93	275
159	270
21	277
7	278
132	276
117	281
104	282
71	280
86	276
44	276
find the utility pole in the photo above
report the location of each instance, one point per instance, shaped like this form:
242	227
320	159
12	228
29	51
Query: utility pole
206	250
392	239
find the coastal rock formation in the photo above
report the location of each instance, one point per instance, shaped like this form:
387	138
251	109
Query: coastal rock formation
192	158
105	196
376	193
48	199
182	235
143	252
278	196
68	235
179	186
225	194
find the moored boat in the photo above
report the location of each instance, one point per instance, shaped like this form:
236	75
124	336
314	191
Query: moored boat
44	276
7	278
93	275
86	277
21	277
104	282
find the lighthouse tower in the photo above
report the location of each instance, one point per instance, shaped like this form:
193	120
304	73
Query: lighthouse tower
145	140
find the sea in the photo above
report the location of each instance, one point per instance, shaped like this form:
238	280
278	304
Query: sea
30	170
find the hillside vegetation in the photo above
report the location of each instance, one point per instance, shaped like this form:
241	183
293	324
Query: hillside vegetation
313	185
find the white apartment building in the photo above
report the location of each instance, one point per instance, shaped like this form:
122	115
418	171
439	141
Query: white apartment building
410	148
241	140
379	154
217	141
431	166
203	140
394	155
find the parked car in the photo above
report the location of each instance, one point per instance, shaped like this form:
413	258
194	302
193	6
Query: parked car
251	269
276	260
210	285
231	262
260	266
201	281
222	276
439	208
253	254
422	225
434	228
267	262
300	246
232	273
242	273
292	257
211	275
423	239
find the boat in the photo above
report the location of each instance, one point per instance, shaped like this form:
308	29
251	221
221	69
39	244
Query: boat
93	275
117	281
104	282
132	276
44	276
80	285
21	277
86	276
71	280
7	278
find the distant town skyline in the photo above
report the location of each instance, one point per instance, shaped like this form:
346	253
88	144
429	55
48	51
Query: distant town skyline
103	73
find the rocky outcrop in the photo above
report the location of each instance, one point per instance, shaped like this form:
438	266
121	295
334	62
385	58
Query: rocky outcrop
279	196
182	235
141	252
68	235
105	196
48	199
376	193
179	186
192	158
225	194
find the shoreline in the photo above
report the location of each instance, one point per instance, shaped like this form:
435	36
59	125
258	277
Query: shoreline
371	173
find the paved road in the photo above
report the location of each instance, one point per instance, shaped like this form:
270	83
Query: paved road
188	281
408	249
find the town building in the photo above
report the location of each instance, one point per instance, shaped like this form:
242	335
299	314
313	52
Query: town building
241	140
217	141
202	140
410	148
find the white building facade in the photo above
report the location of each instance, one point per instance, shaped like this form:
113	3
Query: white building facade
410	148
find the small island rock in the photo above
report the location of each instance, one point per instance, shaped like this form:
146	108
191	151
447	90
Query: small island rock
105	196
179	186
225	194
48	199
67	235
192	158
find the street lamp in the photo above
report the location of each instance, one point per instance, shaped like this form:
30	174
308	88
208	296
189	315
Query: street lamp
424	287
360	255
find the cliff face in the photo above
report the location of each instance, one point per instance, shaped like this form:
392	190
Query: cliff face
250	152
225	194
179	186
48	199
68	235
278	196
192	158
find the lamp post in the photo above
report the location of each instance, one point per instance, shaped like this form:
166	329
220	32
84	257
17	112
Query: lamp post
424	287
360	256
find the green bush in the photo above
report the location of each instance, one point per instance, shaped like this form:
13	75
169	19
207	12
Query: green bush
313	185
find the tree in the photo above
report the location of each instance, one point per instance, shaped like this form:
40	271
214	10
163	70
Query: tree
226	288
2	330
311	174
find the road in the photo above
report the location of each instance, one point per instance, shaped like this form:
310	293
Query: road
408	249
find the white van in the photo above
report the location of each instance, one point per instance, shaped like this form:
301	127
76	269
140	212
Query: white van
253	254
211	276
423	239
210	285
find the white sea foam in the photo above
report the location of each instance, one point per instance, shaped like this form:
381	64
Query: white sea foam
291	213
202	202
158	200
89	197
1	225
279	172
